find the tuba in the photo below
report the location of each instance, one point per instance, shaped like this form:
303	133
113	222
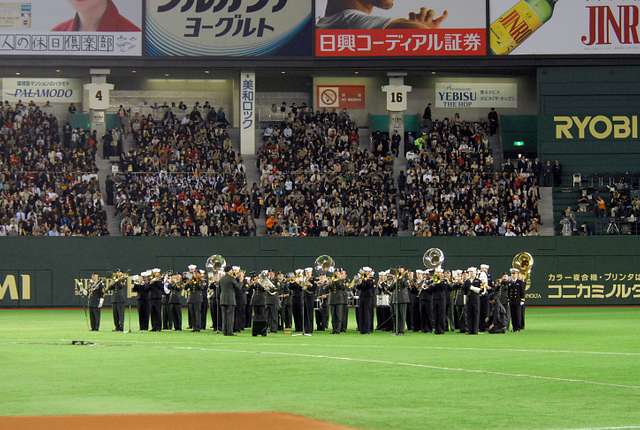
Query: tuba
325	264
523	261
433	258
215	263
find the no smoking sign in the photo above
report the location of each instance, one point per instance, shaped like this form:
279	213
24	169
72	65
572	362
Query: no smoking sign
329	97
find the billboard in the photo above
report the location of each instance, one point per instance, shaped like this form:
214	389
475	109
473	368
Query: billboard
71	27
239	28
406	28
467	95
569	27
341	96
41	90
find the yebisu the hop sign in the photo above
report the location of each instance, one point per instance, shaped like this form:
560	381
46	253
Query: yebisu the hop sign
241	28
465	95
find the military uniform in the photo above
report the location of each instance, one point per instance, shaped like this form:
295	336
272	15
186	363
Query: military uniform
516	296
273	303
309	297
366	304
194	303
472	308
156	289
166	308
297	305
175	306
399	302
228	287
118	300
96	297
425	298
440	292
142	291
241	303
337	303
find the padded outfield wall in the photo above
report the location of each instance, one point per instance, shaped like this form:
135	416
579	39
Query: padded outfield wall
44	272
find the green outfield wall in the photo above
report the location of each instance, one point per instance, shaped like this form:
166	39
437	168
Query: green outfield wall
44	272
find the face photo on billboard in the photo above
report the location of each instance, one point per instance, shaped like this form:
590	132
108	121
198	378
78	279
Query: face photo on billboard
97	16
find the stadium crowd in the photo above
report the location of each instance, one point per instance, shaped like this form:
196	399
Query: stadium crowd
183	179
48	185
451	187
316	180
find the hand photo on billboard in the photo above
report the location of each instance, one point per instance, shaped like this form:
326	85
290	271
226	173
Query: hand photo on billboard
96	15
400	28
346	14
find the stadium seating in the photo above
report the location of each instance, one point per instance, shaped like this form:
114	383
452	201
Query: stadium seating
47	186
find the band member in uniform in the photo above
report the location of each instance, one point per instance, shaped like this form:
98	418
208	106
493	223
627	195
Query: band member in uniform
498	317
96	299
174	285
141	288
259	307
337	290
366	288
425	297
459	300
297	303
241	303
309	290
194	301
322	304
166	305
273	302
413	309
212	294
399	301
118	299
503	295
156	289
204	306
473	290
484	298
285	302
516	297
228	285
440	291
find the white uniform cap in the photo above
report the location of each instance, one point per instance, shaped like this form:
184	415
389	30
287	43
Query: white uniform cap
156	270
308	269
146	273
135	278
472	269
235	268
193	267
484	267
439	270
367	269
514	270
201	271
299	271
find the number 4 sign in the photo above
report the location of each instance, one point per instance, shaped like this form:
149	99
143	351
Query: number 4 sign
396	97
98	96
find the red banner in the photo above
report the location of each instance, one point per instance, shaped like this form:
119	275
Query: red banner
341	96
401	43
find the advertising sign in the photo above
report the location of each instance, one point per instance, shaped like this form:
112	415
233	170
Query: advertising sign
587	27
239	28
71	27
341	96
407	28
248	112
41	90
457	95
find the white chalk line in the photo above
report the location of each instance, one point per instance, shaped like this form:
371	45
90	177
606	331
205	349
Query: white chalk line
601	428
413	365
338	345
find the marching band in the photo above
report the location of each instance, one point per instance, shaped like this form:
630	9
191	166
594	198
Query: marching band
433	300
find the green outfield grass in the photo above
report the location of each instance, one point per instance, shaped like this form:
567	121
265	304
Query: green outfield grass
571	368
